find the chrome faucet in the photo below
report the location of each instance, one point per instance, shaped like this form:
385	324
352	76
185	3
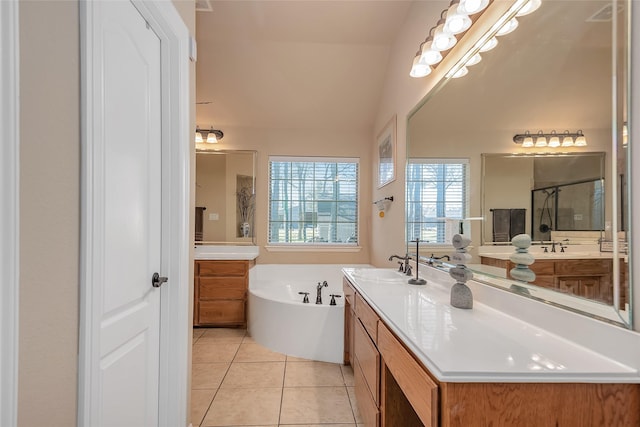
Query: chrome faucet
433	259
404	264
319	291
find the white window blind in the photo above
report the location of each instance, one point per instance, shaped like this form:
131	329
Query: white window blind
437	190
313	200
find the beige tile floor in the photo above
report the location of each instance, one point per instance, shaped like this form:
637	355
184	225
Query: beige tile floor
237	382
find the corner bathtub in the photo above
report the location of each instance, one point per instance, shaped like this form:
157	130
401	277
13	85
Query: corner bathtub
278	319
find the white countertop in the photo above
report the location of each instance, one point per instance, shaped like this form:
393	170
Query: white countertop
481	344
226	252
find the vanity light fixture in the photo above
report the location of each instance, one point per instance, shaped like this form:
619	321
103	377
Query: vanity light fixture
490	44
509	27
210	136
473	6
473	60
567	139
442	39
419	67
551	140
531	6
541	140
456	19
580	140
460	73
527	140
428	55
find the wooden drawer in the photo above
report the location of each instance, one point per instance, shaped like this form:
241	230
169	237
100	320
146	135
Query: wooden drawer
221	268
541	267
494	262
366	406
222	287
368	317
221	312
583	267
349	292
421	391
369	360
545	281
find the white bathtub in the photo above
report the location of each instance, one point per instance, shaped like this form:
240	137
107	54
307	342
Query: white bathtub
278	319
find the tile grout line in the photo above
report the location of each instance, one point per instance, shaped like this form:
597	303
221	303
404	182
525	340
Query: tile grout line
284	375
221	381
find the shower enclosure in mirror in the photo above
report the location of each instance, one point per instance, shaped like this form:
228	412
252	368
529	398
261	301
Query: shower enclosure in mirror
225	197
564	68
551	197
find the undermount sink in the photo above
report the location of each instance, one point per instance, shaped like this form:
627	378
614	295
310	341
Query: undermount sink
379	274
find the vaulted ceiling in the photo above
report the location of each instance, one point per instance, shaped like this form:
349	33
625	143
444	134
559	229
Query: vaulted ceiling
303	64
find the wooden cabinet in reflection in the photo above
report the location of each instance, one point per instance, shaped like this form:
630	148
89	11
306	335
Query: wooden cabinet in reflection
588	278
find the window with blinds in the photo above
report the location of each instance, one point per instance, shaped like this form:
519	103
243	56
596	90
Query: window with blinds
313	200
437	191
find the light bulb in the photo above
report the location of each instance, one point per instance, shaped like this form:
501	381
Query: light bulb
456	21
567	141
419	69
472	6
460	73
490	44
527	142
580	141
430	56
509	27
531	6
442	40
473	60
211	138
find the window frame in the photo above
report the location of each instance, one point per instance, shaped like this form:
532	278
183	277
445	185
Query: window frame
466	162
314	246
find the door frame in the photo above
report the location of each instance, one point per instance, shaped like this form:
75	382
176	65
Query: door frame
9	210
174	318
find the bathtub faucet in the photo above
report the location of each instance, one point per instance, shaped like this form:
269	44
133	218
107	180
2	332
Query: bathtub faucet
319	291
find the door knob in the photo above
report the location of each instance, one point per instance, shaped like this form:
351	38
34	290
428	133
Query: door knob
157	280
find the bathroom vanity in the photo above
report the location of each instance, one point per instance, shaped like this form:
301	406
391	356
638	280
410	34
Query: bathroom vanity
419	361
587	277
221	281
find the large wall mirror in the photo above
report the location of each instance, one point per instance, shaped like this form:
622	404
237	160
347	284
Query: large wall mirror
563	69
225	197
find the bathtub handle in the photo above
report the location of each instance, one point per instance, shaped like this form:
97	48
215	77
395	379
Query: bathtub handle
333	298
306	297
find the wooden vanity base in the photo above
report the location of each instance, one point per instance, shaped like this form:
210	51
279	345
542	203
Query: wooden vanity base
394	389
540	404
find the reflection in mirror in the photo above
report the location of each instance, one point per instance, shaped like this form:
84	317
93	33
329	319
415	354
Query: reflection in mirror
553	73
549	197
225	197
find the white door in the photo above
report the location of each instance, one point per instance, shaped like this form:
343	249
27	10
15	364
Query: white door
125	233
